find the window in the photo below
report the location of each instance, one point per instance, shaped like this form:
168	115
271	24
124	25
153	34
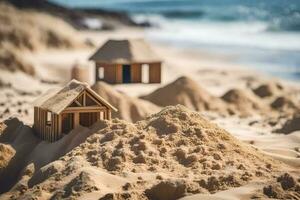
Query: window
101	72
145	73
49	118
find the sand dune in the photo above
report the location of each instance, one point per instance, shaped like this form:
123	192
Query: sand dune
31	31
129	108
173	150
187	92
172	154
291	125
284	186
12	60
244	102
29	149
268	89
285	104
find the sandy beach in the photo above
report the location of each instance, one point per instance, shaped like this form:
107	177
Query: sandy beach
225	142
216	74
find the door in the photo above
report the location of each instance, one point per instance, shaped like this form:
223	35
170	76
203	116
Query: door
126	72
67	122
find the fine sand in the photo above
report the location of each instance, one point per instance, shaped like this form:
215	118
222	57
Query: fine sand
174	153
171	154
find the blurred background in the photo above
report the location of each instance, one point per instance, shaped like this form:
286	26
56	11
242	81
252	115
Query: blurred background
260	34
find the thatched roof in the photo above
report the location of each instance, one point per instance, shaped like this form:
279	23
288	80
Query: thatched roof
125	52
56	100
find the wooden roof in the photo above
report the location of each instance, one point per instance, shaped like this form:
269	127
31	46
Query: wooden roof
125	52
56	100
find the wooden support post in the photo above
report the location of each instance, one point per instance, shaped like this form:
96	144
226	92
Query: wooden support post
43	125
59	126
39	122
118	73
108	114
76	119
84	99
103	117
51	130
96	73
56	128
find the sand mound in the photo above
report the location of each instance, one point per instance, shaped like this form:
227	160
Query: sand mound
187	92
268	89
30	150
80	73
291	125
171	154
6	154
244	102
284	187
166	190
129	108
82	182
285	104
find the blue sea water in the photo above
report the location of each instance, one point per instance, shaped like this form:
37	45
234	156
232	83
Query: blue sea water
261	34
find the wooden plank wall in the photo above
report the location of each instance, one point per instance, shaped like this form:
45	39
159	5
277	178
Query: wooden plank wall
97	73
113	72
119	73
108	114
36	125
109	72
53	132
136	73
155	73
44	131
89	118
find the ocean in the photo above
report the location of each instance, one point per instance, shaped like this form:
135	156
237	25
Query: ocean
259	34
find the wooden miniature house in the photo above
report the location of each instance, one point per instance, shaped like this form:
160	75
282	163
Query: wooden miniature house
59	111
127	61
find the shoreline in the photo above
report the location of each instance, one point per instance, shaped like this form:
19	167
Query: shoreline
122	20
178	59
177	62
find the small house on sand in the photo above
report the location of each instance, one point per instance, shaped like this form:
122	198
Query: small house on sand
59	111
127	61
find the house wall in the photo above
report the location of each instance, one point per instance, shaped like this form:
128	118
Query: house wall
119	73
155	73
136	73
100	113
53	132
113	72
46	132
